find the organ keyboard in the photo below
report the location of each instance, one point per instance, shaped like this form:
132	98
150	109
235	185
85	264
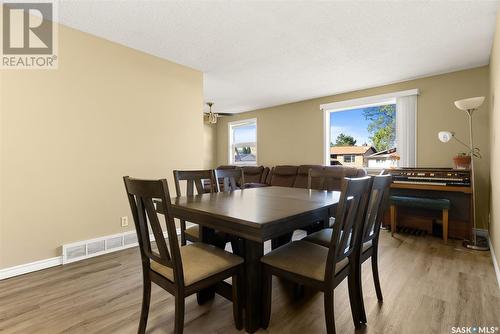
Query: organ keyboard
452	184
431	176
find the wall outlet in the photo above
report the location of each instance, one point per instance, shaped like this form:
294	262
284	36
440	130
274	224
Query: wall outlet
124	221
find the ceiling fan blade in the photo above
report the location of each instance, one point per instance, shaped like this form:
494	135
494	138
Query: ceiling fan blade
224	114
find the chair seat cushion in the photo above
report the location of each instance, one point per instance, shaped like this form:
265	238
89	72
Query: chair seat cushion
419	202
367	245
199	261
324	236
303	258
193	231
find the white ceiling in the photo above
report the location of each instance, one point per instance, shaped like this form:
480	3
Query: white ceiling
260	54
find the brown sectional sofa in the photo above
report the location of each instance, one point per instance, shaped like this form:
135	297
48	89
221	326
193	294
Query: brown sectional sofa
291	176
255	176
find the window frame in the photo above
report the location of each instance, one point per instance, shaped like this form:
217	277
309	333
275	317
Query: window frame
352	158
363	102
231	146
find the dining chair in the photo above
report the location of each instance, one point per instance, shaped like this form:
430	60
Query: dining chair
325	178
230	179
329	179
194	180
376	208
319	267
318	178
182	271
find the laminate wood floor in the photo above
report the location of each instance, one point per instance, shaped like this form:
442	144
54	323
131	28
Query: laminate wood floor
428	287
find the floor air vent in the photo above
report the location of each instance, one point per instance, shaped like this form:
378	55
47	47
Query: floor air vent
89	248
129	239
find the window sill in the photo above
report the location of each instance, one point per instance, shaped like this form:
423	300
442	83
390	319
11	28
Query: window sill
244	163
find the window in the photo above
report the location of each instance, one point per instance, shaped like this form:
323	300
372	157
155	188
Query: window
368	127
366	131
243	142
350	158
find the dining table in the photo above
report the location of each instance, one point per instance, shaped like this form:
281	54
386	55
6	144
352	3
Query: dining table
254	216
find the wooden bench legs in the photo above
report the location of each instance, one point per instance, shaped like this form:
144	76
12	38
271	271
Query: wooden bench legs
394	214
445	225
393	218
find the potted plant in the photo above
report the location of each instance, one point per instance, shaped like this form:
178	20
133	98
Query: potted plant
462	161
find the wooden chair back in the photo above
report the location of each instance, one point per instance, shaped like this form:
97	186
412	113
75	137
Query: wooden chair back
195	179
325	178
141	196
350	214
377	205
231	179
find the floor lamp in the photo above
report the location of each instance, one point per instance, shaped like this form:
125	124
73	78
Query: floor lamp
469	106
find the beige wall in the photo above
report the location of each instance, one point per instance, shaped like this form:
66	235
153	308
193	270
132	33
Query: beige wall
209	146
69	135
495	143
293	133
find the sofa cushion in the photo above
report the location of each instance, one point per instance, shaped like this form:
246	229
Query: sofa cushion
253	174
302	179
342	171
283	176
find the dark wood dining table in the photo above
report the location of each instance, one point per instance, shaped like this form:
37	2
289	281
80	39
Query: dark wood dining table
255	215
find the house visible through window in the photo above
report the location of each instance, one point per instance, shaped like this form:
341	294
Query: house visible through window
365	132
363	137
243	142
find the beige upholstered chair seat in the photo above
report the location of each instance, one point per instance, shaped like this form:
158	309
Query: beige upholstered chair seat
193	231
199	261
367	245
324	236
302	258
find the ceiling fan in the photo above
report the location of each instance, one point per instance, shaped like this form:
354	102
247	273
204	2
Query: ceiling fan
211	116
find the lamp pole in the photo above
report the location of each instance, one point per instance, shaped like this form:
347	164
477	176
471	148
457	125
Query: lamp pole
474	244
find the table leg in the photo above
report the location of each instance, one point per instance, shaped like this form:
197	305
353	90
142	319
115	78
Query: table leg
207	235
253	288
281	240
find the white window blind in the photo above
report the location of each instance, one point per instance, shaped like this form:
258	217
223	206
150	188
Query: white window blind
406	130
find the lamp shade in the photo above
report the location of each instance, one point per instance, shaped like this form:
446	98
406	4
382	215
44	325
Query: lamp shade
445	136
470	103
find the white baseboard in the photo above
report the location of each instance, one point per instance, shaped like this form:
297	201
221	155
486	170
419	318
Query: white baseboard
58	260
484	233
495	263
30	267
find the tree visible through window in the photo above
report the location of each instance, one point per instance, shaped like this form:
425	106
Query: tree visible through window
364	137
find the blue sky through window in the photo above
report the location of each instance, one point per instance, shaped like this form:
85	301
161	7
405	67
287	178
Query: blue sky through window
350	122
